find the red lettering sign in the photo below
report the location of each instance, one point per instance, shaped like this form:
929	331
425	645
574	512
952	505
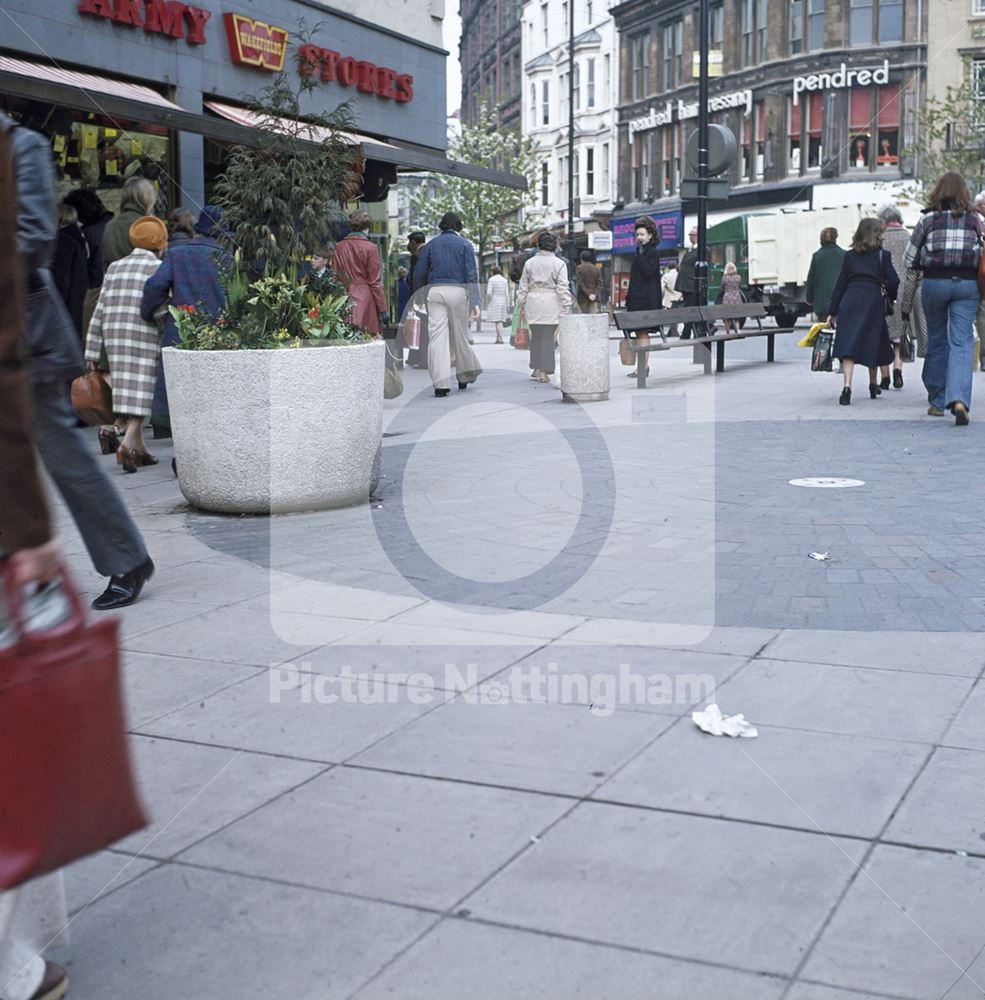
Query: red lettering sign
368	78
157	17
254	43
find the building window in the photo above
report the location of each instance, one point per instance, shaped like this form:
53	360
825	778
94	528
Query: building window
759	130
533	104
860	129
747	16
888	123
605	170
793	136
796	27
576	174
976	78
673	51
589	12
977	8
590	83
576	87
716	32
545	102
607	78
545	175
637	178
590	171
815	150
543	22
639	64
860	22
890	20
762	20
815	24
562	179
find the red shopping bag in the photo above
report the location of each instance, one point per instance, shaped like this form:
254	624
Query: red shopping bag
412	332
520	338
66	784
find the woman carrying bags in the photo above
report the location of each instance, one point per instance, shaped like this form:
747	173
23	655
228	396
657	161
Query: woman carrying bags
544	295
866	284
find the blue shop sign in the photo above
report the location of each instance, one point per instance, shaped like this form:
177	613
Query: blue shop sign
670	225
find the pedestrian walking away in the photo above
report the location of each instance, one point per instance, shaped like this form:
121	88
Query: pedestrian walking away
130	342
498	302
669	295
417	357
137	200
823	274
645	291
946	245
895	240
731	292
544	295
93	217
858	307
685	279
446	268
110	536
70	266
356	262
588	279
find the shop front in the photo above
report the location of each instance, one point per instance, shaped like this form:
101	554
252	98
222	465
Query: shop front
670	226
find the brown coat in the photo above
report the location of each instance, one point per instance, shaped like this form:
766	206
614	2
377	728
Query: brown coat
24	520
589	281
357	263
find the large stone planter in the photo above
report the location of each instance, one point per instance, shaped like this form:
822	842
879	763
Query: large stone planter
584	347
270	432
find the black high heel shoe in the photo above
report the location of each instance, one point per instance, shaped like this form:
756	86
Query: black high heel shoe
845	399
441	392
897	379
874	391
463	385
884	384
108	441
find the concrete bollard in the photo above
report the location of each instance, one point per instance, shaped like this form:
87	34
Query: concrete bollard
584	348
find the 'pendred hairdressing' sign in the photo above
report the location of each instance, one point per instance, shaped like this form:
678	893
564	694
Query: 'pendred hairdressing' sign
157	17
255	43
333	67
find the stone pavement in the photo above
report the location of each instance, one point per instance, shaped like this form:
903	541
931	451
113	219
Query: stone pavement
514	803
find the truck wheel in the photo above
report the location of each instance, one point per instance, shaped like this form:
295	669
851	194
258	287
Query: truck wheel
785	319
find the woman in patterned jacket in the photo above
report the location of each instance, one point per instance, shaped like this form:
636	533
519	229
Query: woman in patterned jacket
132	343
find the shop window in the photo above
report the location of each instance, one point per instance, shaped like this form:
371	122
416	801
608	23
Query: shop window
794	122
796	26
890	20
545	177
860	129
815	24
888	120
815	131
590	172
759	126
639	61
860	22
745	149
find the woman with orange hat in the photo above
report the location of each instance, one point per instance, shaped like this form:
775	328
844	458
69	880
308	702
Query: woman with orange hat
131	343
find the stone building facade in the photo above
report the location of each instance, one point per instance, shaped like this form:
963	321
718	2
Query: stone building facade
817	92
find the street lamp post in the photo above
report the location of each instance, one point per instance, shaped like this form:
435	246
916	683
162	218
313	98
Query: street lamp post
571	130
701	265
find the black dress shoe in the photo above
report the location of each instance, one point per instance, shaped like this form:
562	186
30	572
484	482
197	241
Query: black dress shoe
124	589
463	385
441	392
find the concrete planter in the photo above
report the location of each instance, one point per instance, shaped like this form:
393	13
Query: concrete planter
584	346
272	432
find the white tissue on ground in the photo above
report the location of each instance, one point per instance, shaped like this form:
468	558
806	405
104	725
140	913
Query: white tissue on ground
711	720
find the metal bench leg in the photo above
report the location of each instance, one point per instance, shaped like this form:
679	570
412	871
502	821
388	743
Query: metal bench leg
641	369
699	356
720	356
769	347
663	336
706	360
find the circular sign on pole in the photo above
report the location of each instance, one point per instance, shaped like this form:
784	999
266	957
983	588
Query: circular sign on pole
722	149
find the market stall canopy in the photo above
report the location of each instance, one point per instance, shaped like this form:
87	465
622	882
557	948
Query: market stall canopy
135	102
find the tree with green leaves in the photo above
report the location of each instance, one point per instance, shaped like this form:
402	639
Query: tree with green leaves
291	184
950	136
490	213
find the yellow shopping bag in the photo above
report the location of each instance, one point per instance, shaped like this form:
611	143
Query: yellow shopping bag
808	340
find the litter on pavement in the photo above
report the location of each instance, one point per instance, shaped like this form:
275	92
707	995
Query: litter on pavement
711	720
819	556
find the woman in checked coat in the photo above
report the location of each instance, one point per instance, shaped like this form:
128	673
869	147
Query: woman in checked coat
132	344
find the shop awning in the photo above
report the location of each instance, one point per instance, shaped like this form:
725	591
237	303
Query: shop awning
115	99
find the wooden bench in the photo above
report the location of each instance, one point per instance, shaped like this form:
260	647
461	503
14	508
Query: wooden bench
701	317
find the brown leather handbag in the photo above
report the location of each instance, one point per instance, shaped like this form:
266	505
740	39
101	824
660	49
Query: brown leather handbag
626	353
92	398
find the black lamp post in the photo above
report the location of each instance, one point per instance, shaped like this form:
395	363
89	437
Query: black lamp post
701	265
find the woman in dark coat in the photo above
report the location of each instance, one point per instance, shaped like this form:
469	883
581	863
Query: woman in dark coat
69	266
858	307
93	216
644	292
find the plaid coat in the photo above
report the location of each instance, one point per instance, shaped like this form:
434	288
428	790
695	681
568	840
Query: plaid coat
132	344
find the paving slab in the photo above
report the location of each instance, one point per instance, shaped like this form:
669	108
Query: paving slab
945	807
840	784
291	594
816	991
908	929
216	583
277	713
935	653
92	877
966	730
386	836
552	748
849	700
171	933
459	959
190	791
752	897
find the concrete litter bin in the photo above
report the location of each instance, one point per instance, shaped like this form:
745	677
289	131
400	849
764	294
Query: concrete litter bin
584	348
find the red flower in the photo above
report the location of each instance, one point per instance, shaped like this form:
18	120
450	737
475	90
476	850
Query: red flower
187	309
313	313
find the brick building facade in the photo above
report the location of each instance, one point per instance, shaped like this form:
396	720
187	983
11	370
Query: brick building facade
492	73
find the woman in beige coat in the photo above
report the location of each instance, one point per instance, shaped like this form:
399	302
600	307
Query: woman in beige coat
544	295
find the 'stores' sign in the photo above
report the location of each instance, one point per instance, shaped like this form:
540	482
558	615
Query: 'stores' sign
255	43
157	17
333	67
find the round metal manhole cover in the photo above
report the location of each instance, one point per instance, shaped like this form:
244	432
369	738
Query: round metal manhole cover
827	482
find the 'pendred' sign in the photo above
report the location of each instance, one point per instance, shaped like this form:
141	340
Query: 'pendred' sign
157	17
255	43
333	67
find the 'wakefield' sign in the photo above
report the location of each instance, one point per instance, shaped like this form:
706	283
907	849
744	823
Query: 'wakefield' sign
157	17
255	43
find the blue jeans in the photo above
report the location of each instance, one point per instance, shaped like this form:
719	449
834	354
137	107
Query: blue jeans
950	305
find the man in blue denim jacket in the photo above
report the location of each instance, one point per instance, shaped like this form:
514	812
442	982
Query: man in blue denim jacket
446	267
